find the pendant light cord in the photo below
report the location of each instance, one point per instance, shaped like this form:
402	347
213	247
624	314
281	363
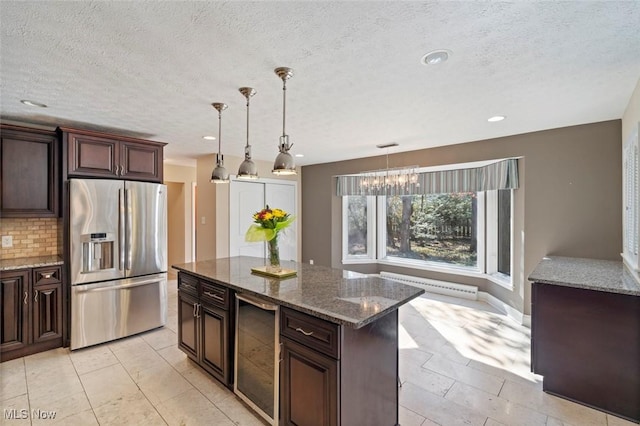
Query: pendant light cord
248	96
284	104
219	133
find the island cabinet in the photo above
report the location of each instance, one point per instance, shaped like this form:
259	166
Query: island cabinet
29	172
32	318
94	154
585	333
205	330
335	375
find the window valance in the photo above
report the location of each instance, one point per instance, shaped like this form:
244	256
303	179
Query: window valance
469	177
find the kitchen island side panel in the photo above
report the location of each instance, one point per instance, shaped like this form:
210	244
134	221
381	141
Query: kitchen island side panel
369	373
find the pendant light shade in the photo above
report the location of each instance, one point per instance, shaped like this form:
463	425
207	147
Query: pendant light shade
284	164
219	174
248	169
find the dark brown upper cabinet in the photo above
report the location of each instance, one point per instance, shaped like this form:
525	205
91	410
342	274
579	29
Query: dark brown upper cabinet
94	154
29	172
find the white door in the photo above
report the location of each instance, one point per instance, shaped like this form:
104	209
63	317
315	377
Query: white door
284	197
246	198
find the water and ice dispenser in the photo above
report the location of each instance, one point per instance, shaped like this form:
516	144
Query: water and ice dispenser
97	252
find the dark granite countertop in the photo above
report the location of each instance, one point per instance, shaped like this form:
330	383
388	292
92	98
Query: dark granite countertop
591	274
30	262
342	297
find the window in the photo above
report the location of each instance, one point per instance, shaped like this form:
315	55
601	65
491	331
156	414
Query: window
358	218
458	232
440	228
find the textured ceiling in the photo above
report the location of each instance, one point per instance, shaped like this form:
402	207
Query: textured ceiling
152	69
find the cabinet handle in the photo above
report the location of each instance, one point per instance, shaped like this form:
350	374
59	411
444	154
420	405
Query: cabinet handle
215	296
306	333
47	275
35	296
199	307
117	165
195	308
26	296
280	356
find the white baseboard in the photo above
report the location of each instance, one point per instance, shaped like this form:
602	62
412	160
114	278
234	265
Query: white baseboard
509	311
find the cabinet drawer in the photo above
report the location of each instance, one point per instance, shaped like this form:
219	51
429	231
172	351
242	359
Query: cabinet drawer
315	333
188	284
215	294
47	275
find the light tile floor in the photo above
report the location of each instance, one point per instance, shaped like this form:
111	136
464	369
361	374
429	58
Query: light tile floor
461	362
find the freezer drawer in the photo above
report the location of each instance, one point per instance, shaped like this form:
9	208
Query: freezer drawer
113	309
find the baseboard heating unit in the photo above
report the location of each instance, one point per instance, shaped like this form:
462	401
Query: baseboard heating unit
435	286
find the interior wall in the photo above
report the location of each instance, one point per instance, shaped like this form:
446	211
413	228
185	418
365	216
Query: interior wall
631	117
175	221
185	175
569	203
213	205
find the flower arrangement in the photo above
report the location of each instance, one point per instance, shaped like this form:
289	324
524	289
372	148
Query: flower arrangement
267	223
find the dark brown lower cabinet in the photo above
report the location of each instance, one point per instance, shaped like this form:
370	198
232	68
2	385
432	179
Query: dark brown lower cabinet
333	375
32	317
586	344
15	286
309	386
204	329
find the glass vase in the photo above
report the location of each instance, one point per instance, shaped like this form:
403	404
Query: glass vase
273	263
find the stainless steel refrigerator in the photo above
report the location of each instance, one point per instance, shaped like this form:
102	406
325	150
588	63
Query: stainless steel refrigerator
118	253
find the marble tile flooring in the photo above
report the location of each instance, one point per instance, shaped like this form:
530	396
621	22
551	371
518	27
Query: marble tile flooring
461	363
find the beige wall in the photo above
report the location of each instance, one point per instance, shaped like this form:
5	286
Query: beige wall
176	224
569	202
631	116
213	205
182	230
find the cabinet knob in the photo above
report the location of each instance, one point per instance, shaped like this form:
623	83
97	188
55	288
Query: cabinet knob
47	275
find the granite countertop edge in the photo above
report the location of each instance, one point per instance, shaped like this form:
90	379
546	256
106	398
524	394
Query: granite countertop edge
313	311
30	262
607	276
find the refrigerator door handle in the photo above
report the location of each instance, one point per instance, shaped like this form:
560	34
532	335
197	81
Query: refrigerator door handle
95	289
129	233
121	208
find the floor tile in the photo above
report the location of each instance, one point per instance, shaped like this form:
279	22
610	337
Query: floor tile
83	418
438	409
500	409
213	390
16	411
617	421
178	359
409	418
66	405
107	385
161	383
192	408
464	374
160	338
532	396
129	409
14	379
238	412
93	358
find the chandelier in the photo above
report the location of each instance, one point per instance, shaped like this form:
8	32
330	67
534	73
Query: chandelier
389	181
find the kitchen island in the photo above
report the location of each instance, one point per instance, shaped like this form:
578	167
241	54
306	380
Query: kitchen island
338	333
585	337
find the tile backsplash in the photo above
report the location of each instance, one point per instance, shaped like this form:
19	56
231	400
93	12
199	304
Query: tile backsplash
32	237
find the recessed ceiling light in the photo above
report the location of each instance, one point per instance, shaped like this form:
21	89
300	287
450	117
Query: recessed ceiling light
209	138
496	118
299	155
33	103
436	57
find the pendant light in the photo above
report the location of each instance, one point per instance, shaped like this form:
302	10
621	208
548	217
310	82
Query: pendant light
247	169
284	164
219	174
